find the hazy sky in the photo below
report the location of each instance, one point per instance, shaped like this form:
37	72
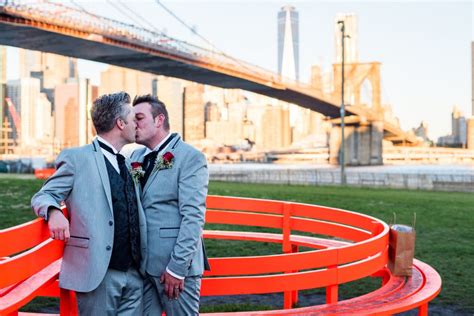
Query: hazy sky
424	47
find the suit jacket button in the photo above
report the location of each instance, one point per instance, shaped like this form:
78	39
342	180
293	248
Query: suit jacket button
108	247
111	223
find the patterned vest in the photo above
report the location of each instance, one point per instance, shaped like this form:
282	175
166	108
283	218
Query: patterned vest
126	248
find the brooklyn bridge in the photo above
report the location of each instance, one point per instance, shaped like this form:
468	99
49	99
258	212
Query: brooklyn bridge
56	28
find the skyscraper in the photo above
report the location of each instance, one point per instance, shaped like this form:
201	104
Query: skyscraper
459	136
472	77
52	69
458	126
351	47
194	112
288	43
170	92
3	82
275	129
288	60
43	122
24	94
73	125
135	82
3	64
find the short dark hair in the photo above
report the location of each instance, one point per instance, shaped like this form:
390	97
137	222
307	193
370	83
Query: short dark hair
107	109
157	107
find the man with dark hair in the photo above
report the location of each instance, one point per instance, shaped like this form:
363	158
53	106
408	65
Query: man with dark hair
174	190
105	231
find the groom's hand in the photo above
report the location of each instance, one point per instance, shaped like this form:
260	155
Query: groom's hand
172	285
58	225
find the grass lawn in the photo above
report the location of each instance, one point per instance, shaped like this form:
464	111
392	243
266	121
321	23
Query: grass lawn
444	225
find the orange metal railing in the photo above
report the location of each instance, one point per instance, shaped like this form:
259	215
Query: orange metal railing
363	253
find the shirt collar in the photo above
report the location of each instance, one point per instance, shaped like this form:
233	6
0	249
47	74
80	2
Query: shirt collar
148	150
100	139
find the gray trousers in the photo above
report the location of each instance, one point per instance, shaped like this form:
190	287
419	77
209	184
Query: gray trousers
155	300
120	293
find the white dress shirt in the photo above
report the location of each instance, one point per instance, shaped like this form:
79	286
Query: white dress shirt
110	157
148	150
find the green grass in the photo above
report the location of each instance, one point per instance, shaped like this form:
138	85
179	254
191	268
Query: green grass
15	197
445	222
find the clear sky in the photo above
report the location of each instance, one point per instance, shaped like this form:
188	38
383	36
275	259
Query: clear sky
424	46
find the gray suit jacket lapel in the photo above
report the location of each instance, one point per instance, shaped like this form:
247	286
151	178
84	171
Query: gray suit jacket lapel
138	156
154	173
137	186
100	162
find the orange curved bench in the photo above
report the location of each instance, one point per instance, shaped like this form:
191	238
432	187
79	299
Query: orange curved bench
45	173
343	246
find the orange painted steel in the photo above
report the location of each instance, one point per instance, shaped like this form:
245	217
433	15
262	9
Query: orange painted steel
344	246
29	289
35	230
44	173
30	266
397	295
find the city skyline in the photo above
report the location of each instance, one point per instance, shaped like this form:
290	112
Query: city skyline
434	88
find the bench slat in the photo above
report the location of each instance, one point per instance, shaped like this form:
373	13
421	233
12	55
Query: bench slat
19	268
25	236
399	294
28	289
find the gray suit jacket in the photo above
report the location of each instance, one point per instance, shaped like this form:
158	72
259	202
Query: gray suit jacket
174	201
82	182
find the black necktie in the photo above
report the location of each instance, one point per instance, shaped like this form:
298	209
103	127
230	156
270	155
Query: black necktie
122	167
150	158
148	164
120	160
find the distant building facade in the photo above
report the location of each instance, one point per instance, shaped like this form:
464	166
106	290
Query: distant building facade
276	130
32	107
422	131
194	113
351	49
73	124
170	92
3	90
458	136
472	78
134	82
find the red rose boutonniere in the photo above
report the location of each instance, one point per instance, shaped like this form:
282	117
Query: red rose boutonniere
164	161
137	171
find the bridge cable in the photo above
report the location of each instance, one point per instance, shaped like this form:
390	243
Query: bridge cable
134	16
140	16
126	14
79	6
89	13
193	30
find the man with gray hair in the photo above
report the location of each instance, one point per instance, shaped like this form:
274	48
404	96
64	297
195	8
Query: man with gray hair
104	234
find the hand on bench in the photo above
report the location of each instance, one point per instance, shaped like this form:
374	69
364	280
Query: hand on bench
58	225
